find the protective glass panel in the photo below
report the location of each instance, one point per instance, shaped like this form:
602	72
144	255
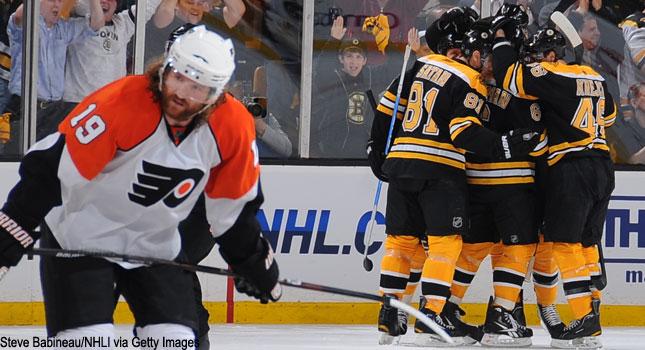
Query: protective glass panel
266	36
358	50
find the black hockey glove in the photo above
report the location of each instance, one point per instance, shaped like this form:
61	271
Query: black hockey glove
508	24
376	159
258	274
519	142
14	241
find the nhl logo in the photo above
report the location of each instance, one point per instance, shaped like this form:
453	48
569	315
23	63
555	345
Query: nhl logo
457	221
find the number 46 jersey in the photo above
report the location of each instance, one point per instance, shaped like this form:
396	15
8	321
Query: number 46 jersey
113	179
578	96
436	120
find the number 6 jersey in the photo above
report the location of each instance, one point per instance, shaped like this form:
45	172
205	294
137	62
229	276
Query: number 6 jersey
112	178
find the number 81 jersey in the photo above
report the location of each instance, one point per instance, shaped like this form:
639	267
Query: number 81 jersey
124	184
440	101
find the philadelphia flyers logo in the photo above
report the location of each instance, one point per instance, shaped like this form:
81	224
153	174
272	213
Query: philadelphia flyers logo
157	183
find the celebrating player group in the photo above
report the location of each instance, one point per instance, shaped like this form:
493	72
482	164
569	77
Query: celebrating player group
498	148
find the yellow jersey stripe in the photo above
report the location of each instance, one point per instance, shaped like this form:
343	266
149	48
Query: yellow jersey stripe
457	125
566	145
429	150
542	146
501	181
555	159
572	71
392	97
427	157
467	74
507	78
555	156
388	111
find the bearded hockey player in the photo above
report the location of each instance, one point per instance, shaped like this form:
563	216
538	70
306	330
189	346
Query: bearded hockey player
125	167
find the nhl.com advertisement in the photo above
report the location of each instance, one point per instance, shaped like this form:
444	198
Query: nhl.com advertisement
321	217
317	220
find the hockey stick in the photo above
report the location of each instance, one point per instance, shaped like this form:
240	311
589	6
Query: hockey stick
386	300
368	265
567	29
601	282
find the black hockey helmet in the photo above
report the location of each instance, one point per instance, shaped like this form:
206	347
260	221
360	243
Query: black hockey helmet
179	31
545	40
478	38
448	42
448	30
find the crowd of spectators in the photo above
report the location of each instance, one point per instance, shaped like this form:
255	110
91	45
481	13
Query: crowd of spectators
358	47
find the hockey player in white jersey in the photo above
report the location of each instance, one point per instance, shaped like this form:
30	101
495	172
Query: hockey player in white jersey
125	167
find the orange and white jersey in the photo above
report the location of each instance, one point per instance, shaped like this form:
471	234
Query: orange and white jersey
125	185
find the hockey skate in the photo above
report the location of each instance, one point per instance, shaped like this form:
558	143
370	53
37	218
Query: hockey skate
581	333
390	325
502	330
427	337
453	313
550	319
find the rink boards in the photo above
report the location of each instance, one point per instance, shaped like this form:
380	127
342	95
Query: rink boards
316	219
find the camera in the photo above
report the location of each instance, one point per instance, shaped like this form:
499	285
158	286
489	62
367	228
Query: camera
257	106
335	12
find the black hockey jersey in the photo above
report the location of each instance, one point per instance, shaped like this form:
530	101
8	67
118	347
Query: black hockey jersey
437	120
578	96
504	112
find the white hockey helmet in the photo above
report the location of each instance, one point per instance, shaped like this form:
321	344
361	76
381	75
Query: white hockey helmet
204	57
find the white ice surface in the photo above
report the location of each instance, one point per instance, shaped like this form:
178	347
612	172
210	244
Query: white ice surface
328	337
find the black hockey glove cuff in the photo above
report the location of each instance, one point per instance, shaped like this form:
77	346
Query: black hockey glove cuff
376	158
15	240
258	275
517	143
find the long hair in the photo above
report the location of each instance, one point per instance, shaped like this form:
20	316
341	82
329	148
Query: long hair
154	78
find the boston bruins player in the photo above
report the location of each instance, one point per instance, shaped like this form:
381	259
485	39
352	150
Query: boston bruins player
502	205
404	257
436	124
580	175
